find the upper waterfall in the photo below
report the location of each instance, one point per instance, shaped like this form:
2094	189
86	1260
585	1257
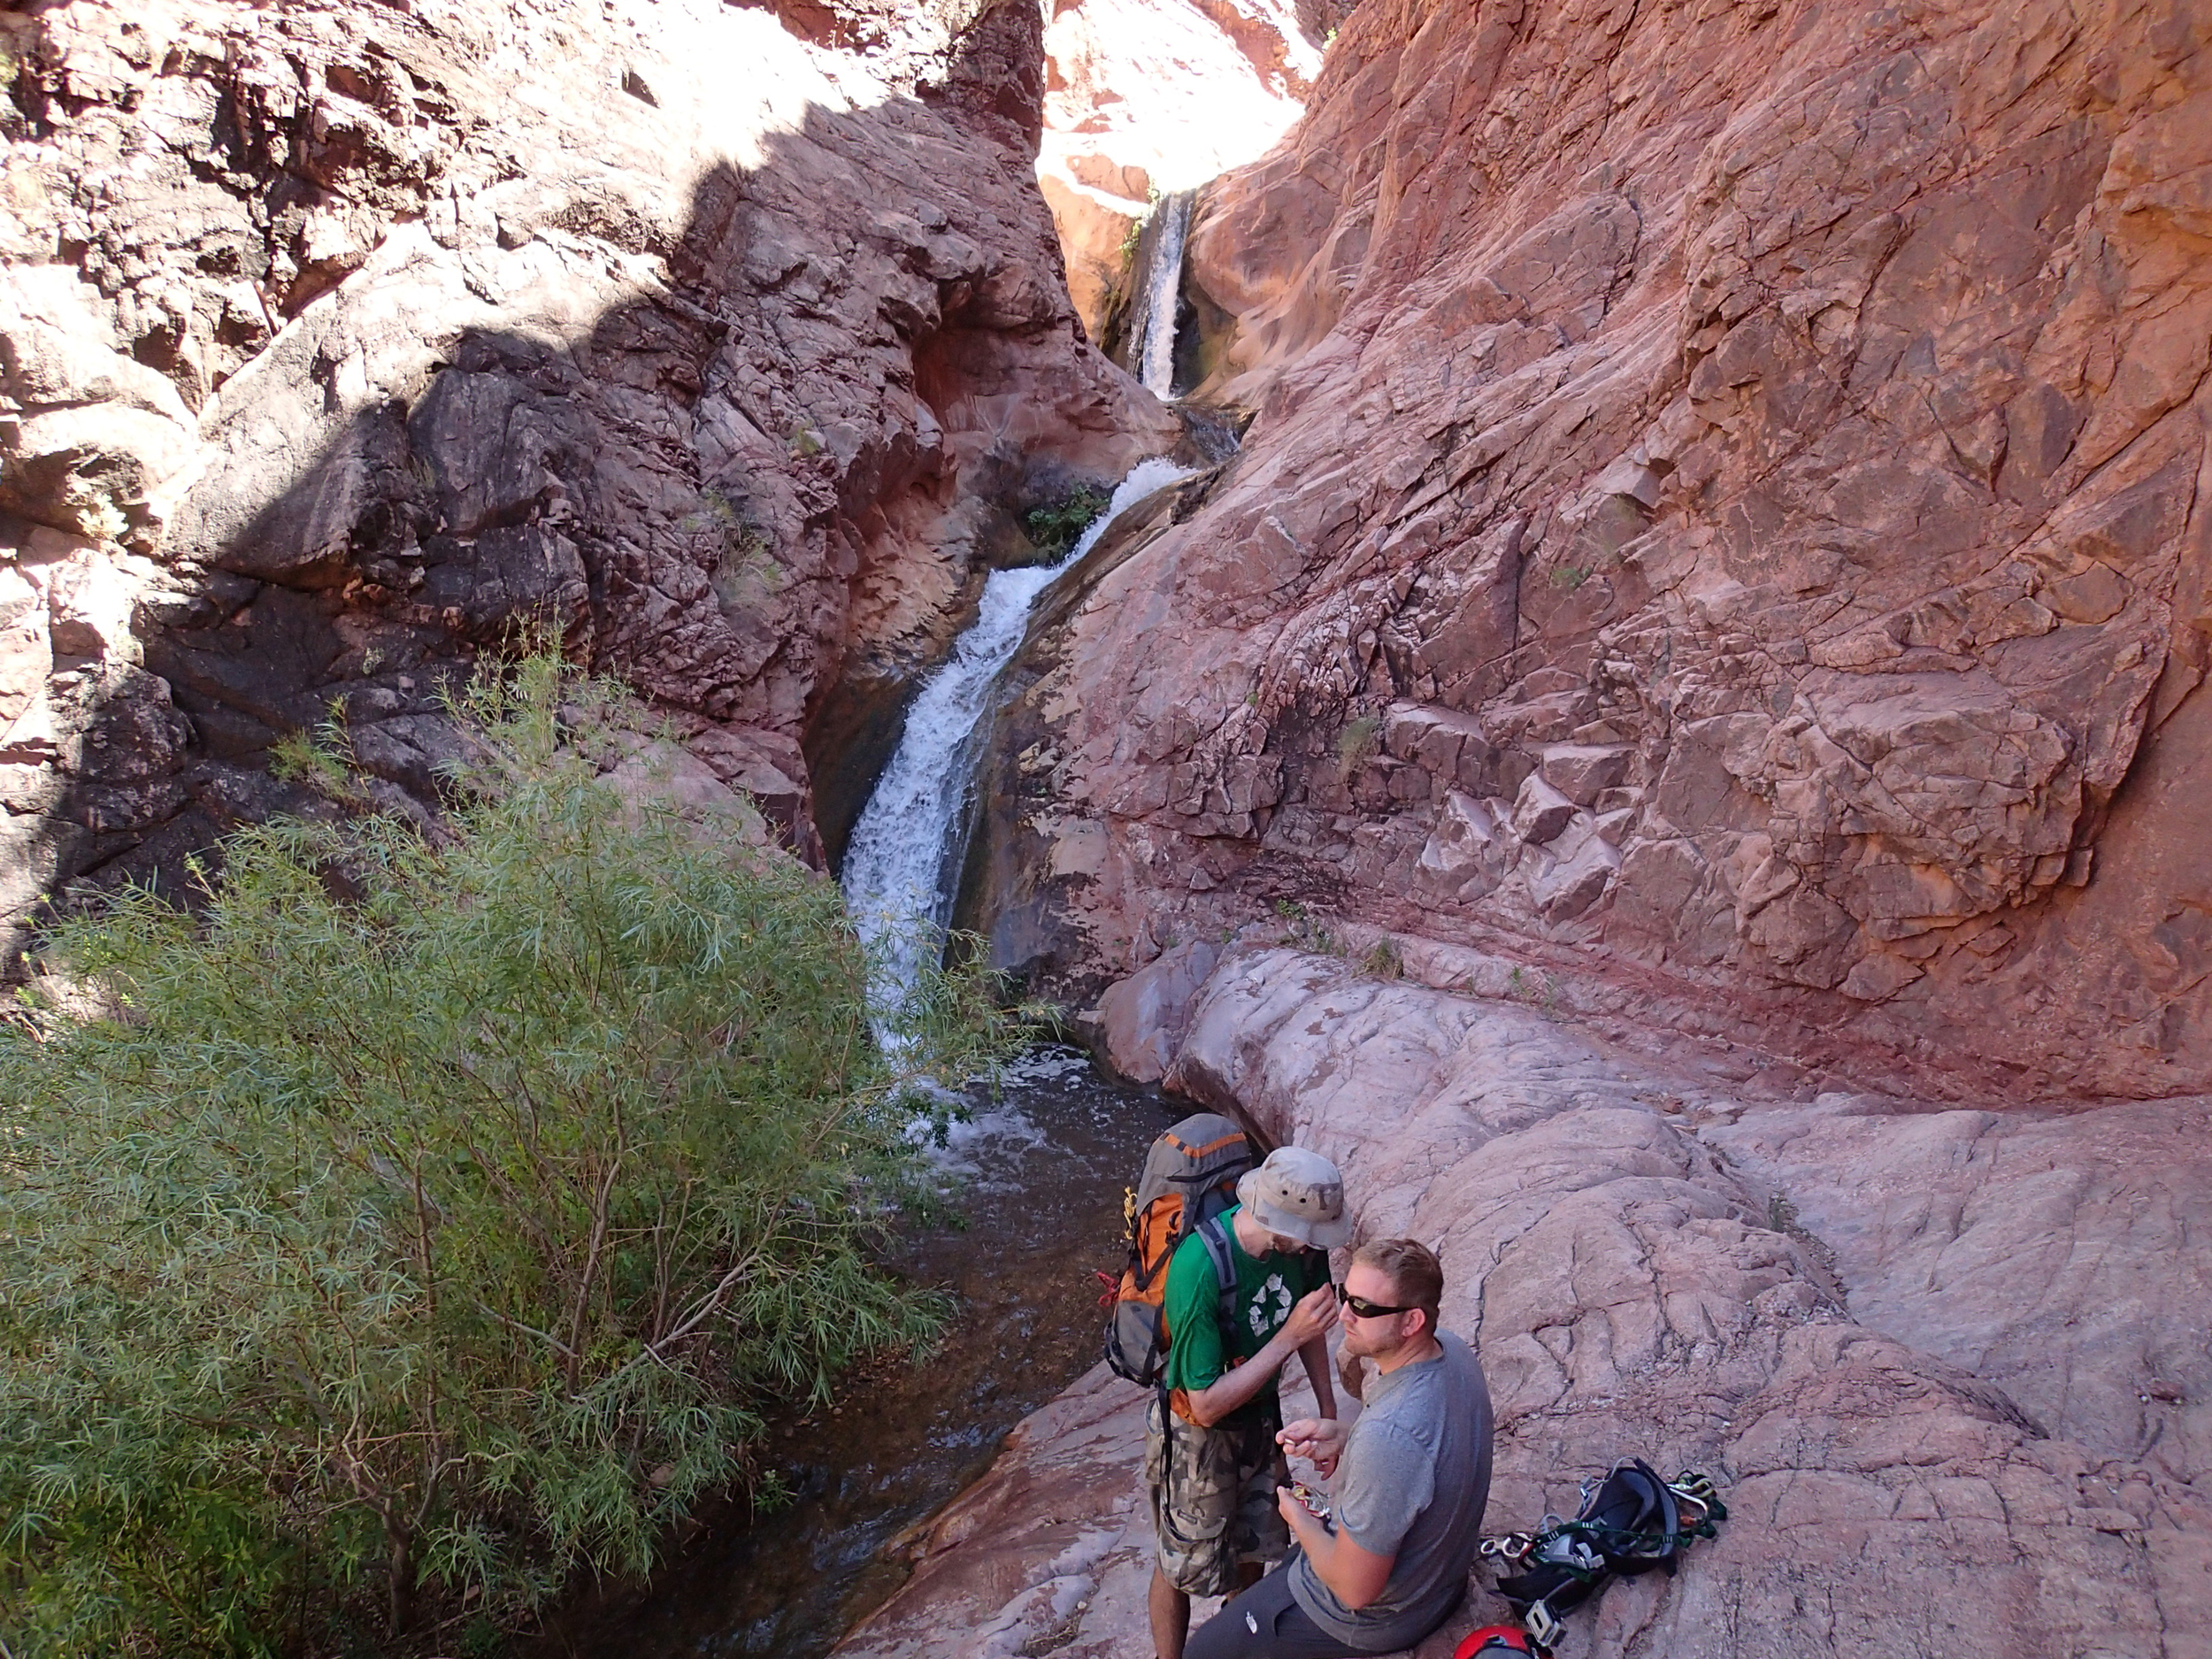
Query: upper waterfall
1157	294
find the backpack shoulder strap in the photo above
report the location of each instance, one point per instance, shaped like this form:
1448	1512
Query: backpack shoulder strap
1214	1235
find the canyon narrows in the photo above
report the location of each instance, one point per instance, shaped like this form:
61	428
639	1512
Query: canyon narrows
342	340
1675	751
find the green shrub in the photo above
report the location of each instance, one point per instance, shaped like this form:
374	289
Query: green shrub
432	1216
1056	528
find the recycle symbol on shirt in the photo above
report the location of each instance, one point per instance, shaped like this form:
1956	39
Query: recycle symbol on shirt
1270	1307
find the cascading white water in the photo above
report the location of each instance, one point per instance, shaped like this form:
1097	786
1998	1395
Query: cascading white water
903	861
1163	295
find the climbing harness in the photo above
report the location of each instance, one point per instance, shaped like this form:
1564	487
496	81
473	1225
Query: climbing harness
1631	1521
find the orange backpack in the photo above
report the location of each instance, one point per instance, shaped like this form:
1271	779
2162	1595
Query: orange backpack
1190	1177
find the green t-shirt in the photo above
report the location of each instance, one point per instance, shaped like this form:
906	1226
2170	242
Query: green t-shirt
1267	1289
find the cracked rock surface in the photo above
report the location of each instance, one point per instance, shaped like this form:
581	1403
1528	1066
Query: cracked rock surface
1948	1366
1726	510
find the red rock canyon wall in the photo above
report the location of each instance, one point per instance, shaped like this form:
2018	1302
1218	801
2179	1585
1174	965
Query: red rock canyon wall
1724	523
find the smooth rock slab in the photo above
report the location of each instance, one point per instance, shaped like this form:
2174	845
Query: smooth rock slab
1636	1283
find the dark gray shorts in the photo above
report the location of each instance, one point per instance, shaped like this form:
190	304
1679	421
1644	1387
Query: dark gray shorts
1264	1622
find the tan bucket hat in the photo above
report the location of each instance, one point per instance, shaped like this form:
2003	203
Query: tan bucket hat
1299	1194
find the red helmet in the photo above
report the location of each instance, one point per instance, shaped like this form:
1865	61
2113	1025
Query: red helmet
1495	1639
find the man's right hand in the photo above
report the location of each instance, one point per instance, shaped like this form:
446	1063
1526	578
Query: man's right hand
1314	1315
1319	1440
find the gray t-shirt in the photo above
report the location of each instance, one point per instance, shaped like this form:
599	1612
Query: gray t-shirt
1412	1485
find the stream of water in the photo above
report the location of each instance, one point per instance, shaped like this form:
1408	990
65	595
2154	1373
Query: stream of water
1041	1170
1038	1171
903	862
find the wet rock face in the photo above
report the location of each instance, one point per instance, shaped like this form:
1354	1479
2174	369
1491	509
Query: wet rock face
339	340
1949	1367
1727	503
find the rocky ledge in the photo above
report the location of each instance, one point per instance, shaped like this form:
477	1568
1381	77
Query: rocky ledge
1950	1367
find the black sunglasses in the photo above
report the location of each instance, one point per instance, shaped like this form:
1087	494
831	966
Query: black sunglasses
1364	1307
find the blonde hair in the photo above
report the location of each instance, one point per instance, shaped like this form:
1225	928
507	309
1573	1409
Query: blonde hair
1417	1278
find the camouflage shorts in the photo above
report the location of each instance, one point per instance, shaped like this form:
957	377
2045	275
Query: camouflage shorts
1213	1502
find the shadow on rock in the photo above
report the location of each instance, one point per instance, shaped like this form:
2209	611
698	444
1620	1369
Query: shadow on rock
749	449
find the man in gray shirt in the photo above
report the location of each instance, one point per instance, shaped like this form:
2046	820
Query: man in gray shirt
1408	1484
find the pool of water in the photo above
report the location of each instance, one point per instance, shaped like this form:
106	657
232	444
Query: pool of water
1038	1174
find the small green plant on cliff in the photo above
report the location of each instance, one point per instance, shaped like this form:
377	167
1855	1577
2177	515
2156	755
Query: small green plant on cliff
1357	742
1056	528
100	519
713	516
1130	237
738	549
429	1217
1521	986
747	553
1383	960
1134	235
321	759
1303	929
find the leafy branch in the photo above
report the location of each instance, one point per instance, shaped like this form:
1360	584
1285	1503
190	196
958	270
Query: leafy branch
441	1241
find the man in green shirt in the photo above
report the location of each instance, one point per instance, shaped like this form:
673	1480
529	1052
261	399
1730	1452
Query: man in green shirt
1210	1457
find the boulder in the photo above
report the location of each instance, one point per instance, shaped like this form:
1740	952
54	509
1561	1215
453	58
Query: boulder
662	776
88	436
1583	772
1540	812
1141	1019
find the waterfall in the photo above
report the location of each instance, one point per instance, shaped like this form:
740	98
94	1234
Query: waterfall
904	860
1158	294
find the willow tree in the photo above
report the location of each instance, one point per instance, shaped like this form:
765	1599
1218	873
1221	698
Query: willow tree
434	1206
